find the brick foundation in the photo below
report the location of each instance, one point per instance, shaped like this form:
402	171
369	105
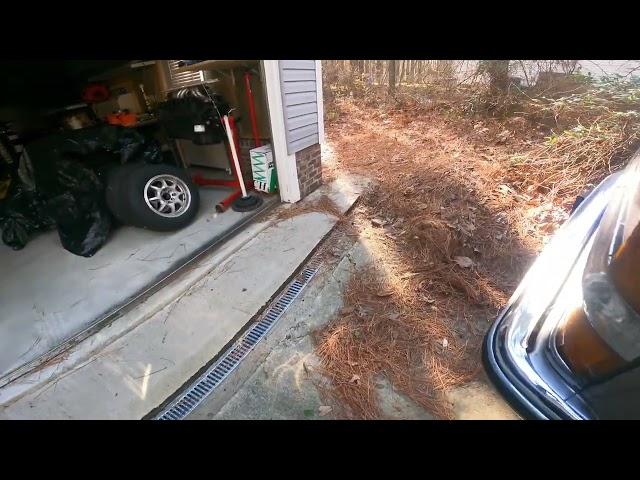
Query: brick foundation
308	162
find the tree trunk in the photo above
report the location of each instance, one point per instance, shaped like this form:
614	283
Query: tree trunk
498	71
392	77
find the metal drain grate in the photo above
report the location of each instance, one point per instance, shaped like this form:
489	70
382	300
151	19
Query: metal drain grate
215	375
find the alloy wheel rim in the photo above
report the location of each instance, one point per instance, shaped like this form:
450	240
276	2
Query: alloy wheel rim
167	195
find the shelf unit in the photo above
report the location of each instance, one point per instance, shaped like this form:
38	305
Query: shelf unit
217	65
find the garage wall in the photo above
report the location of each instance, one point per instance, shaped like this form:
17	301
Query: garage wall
300	103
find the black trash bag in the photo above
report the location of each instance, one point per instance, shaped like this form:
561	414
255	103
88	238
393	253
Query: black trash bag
56	171
22	214
71	176
64	209
87	236
80	212
83	223
151	153
16	231
69	196
127	143
95	146
69	191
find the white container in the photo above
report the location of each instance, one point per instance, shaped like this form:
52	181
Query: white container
263	169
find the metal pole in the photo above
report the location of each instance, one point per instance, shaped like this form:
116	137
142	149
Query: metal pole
252	108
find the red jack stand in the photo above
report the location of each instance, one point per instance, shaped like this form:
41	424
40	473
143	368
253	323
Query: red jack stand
246	202
200	180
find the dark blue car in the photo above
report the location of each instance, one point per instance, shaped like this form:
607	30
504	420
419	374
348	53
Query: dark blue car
567	345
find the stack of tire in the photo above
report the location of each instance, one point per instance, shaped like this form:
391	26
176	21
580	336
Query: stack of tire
153	196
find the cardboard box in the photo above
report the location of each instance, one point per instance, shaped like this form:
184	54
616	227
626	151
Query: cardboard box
265	178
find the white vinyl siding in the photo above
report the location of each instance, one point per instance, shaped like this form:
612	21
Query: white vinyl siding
299	110
300	103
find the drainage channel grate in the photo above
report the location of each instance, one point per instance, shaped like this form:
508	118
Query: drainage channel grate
220	370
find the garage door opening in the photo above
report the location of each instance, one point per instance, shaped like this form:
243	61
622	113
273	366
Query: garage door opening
108	157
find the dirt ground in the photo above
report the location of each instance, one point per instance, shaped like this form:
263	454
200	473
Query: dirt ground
452	238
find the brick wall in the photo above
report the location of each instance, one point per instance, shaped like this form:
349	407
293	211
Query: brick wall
309	169
307	160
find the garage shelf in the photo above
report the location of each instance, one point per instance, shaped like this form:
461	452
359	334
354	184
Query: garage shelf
216	65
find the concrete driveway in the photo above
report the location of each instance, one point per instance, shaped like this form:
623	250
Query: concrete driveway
282	379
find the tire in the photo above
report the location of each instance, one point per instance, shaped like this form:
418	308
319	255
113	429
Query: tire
114	191
158	197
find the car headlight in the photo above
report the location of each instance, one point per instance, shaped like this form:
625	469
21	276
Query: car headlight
603	336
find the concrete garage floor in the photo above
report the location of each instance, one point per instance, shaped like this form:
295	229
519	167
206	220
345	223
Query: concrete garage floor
48	295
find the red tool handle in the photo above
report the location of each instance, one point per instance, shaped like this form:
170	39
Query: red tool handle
252	108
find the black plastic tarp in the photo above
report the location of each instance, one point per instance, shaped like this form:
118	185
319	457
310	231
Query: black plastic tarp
68	171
